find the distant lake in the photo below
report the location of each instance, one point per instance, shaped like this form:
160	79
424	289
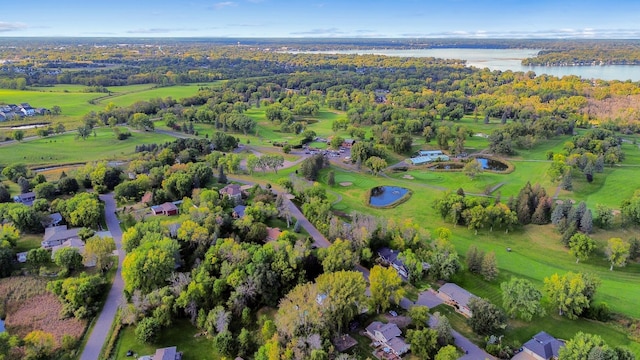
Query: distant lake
507	59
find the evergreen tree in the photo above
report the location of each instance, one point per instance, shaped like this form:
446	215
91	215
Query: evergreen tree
222	178
474	259
297	226
489	269
567	182
541	215
486	119
599	165
586	223
588	172
331	181
571	230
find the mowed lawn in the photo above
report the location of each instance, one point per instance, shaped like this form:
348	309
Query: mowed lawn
65	149
181	334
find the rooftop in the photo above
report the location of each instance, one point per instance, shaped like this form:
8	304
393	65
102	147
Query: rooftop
456	293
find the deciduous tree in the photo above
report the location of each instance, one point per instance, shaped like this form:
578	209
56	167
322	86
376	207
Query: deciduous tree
98	251
521	299
581	246
386	287
487	318
617	252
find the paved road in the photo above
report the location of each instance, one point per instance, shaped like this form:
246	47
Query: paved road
430	299
98	335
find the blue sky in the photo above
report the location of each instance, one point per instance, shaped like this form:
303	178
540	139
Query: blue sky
323	18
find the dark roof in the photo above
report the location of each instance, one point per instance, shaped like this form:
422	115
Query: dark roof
239	210
456	293
390	256
53	219
27	195
169	207
544	345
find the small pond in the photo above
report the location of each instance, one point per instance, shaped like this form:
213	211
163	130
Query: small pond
490	164
382	196
32	126
447	166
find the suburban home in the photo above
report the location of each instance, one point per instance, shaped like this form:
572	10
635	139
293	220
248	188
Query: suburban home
168	353
51	220
25	198
457	297
56	235
72	243
541	347
3	117
166	209
390	257
273	233
388	335
238	212
233	191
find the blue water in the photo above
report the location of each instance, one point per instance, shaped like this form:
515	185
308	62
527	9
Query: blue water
386	195
509	59
488	164
1	325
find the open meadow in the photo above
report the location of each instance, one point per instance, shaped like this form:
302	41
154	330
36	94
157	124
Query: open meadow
67	149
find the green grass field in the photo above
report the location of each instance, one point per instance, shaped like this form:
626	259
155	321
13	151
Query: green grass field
180	333
65	149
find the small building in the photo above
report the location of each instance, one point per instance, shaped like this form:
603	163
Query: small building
56	235
541	347
166	209
233	191
22	257
389	336
457	297
25	198
273	233
348	143
428	156
147	198
168	353
238	212
51	220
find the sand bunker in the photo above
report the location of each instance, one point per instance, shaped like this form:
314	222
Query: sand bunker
408	177
346	183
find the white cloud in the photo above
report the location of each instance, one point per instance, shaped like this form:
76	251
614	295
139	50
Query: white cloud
224	4
6	26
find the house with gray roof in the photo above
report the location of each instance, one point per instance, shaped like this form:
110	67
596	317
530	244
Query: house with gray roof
51	220
541	347
457	297
388	335
56	235
168	353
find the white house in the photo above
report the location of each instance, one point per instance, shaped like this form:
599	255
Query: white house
389	336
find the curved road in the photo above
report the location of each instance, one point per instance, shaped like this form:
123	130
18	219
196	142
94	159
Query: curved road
98	335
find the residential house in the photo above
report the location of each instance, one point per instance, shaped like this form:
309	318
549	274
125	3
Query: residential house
3	117
238	212
28	111
166	209
233	191
25	198
168	353
389	336
390	257
75	243
457	297
541	347
56	235
51	220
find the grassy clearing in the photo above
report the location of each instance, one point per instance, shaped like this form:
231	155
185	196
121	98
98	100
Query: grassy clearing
180	333
66	149
28	242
